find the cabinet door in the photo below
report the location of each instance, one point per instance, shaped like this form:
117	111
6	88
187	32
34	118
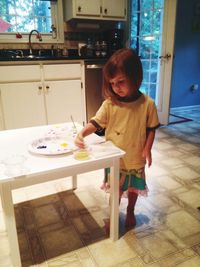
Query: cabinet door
63	100
114	9
88	8
22	105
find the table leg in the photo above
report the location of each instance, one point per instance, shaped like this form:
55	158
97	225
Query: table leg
8	209
74	182
114	201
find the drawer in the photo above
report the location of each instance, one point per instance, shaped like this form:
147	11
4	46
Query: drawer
62	71
20	73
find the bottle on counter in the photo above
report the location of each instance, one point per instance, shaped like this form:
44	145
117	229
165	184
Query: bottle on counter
89	48
97	49
104	49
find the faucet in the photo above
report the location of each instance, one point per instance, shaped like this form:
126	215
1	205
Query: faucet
29	39
20	54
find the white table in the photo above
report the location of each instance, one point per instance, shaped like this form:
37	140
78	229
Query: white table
38	169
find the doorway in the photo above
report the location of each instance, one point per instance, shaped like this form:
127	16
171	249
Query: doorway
152	27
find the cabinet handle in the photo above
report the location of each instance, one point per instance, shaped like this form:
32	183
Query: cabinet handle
40	87
79	8
47	87
105	11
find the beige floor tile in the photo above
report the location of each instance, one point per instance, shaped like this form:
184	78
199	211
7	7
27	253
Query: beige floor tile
192	240
4	248
42	201
67	259
5	261
178	258
138	262
189	147
2	222
108	253
93	178
174	153
167	182
157	155
160	201
157	246
160	134
193	262
173	238
191	197
193	160
183	224
79	257
155	170
185	173
173	162
163	146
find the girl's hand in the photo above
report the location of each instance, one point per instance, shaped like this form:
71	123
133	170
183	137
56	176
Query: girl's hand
147	155
79	141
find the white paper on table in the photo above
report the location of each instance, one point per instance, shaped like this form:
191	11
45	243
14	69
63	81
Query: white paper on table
103	149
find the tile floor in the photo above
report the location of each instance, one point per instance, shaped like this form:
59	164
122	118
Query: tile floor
59	227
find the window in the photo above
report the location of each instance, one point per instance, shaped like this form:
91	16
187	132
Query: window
146	36
19	17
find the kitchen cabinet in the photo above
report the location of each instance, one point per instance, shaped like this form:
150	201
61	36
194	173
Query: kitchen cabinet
95	9
22	105
63	100
41	94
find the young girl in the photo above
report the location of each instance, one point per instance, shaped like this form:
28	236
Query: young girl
130	119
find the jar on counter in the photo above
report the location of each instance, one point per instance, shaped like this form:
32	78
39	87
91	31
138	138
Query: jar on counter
65	51
104	49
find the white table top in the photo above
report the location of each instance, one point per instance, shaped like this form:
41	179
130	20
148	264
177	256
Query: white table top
14	147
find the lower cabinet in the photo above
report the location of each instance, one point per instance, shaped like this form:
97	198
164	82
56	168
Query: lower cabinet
22	105
32	103
63	100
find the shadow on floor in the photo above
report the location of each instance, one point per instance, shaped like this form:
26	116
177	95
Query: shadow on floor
54	225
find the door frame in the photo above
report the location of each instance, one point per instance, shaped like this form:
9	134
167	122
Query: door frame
166	65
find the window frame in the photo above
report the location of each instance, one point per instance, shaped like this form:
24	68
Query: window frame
57	20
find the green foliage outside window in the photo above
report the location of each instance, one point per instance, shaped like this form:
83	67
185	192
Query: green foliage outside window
25	15
146	36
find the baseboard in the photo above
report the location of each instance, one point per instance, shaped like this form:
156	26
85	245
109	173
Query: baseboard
184	108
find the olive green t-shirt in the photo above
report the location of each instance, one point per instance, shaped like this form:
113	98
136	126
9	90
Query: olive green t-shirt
126	126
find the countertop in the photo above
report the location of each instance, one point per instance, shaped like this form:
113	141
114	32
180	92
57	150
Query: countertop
12	56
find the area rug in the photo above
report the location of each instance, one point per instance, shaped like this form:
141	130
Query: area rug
177	119
58	224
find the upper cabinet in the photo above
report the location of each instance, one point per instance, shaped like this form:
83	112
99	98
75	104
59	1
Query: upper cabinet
95	9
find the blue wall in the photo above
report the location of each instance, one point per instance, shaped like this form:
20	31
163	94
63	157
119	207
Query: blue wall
186	66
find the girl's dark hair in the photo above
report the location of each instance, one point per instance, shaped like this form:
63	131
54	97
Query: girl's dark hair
124	61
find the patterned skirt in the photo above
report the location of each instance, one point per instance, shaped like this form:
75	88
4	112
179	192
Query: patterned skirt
130	180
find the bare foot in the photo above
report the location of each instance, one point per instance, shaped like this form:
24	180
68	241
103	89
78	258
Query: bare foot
105	187
130	219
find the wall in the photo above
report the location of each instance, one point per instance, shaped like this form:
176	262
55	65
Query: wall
74	32
186	67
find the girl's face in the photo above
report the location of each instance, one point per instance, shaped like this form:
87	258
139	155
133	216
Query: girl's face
121	85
